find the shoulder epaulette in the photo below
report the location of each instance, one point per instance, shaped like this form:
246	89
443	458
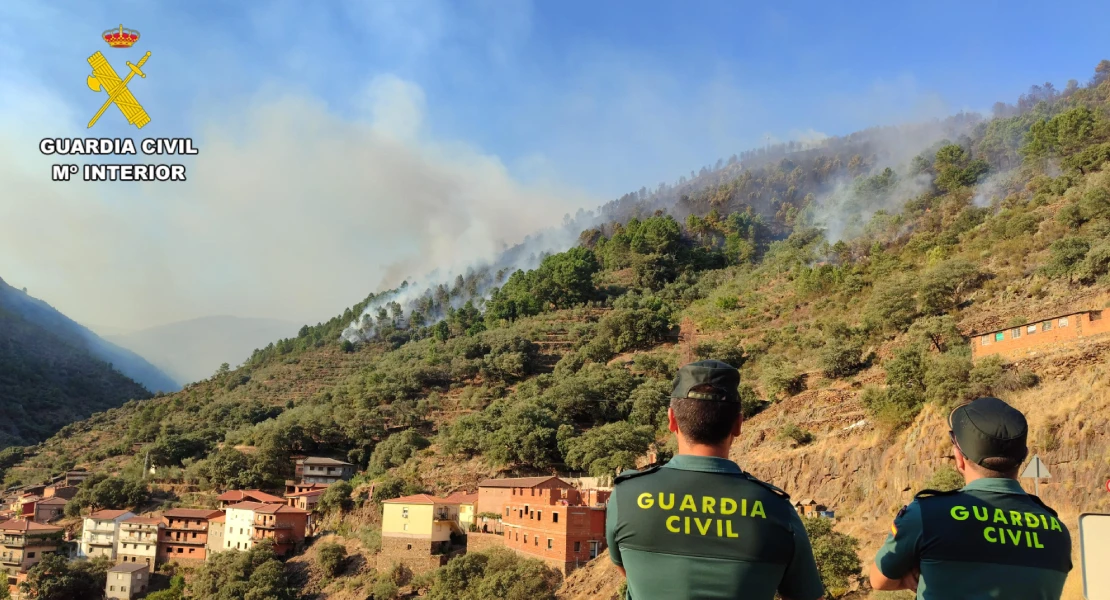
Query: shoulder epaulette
1043	505
775	490
932	493
634	473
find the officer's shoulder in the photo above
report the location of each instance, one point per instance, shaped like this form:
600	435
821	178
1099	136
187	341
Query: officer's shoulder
774	490
633	473
924	494
1043	505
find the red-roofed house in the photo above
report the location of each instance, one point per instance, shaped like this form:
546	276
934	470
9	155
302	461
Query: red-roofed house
24	543
417	531
48	509
184	536
493	494
468	503
99	532
236	496
564	528
251	522
306	500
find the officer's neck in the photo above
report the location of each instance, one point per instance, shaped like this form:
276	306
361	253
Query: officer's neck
714	450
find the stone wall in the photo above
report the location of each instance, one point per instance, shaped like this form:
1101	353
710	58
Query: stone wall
477	542
415	553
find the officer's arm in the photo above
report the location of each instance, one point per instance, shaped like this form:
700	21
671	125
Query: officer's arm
802	580
611	532
897	564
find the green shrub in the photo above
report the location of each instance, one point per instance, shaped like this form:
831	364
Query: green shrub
332	558
945	479
837	555
782	379
792	432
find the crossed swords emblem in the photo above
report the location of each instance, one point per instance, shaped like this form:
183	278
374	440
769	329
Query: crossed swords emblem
104	78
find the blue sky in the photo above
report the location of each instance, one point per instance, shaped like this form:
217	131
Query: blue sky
386	135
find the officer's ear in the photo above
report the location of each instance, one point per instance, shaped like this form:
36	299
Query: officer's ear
961	460
672	422
738	425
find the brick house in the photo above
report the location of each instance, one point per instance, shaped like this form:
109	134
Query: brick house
1039	336
284	525
323	470
559	526
60	491
48	509
306	500
138	540
295	487
24	543
184	535
493	494
99	532
236	496
417	530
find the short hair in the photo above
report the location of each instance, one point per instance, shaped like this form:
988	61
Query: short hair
998	467
705	421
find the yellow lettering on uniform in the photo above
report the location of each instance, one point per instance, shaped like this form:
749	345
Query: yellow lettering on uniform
982	517
688	500
707	504
1044	522
1031	520
987	534
728	527
728	506
744	507
703	530
675	528
719	534
1028	541
687	520
959	513
1000	517
1015	536
666	505
1055	525
757	509
1001	535
1037	541
1015	518
644	501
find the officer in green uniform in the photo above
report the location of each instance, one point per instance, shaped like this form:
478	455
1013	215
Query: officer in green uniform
698	527
988	539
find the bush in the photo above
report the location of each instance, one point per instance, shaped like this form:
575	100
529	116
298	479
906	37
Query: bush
384	589
728	302
837	555
495	573
842	355
893	407
782	379
799	436
945	479
395	450
1066	256
336	498
604	450
332	558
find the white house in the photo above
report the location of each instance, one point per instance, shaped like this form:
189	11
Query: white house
100	532
239	525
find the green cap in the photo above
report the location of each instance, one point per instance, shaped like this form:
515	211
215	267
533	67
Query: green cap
724	378
989	428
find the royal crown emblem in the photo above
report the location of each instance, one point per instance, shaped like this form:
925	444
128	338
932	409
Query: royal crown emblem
121	38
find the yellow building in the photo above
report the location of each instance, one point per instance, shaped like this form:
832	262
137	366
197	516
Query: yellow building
468	504
417	530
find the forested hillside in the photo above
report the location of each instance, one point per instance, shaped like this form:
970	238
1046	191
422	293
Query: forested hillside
850	273
48	380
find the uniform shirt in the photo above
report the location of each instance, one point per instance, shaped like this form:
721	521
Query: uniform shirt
700	528
987	540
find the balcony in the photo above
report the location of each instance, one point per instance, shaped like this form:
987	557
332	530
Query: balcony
185	527
108	529
279	537
188	541
12	542
11	560
272	525
148	538
101	542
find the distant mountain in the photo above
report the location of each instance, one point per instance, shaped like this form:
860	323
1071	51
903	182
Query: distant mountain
54	372
192	350
125	361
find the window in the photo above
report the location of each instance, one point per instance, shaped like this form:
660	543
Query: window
536	541
1046	326
1015	334
405	512
554	517
1001	335
550	543
1064	322
30	555
408	546
111	588
539	515
1031	329
1096	315
405	527
506	511
577	546
123	588
526	538
986	339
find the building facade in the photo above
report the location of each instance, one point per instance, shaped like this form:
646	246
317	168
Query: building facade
1031	339
24	543
556	526
49	509
99	532
239	525
284	525
236	496
493	494
468	503
417	530
216	527
184	535
127	581
138	541
323	470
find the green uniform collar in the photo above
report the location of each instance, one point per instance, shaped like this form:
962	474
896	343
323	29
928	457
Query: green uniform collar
996	484
705	464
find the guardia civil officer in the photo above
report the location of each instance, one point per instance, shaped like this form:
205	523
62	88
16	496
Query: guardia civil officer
698	527
988	539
